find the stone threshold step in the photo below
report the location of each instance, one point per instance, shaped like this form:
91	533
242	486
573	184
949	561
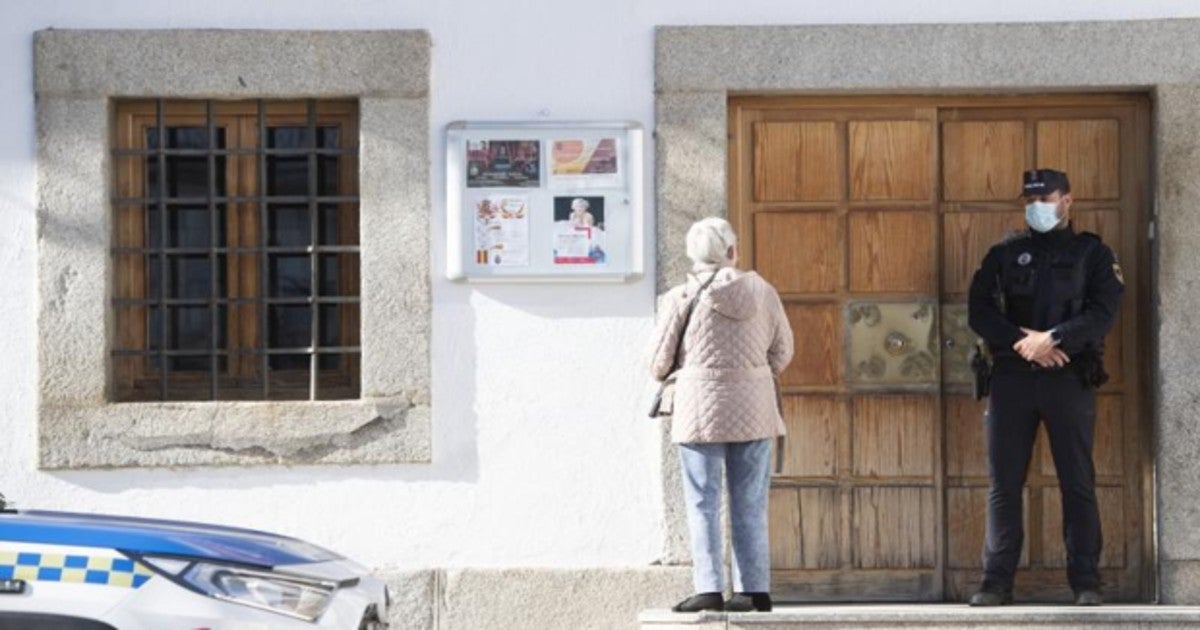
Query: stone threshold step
877	616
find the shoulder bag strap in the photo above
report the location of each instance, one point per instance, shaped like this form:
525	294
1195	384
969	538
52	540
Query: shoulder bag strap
687	320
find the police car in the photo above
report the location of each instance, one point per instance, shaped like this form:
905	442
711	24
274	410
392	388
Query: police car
66	571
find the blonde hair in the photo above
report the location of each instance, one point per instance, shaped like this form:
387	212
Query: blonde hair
708	243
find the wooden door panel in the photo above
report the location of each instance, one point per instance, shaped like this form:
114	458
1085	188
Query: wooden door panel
1104	222
894	527
893	436
883	495
813	424
966	452
783	527
803	528
818	334
966	238
1088	151
890	160
1114	352
892	251
964	542
982	160
797	161
820	515
798	252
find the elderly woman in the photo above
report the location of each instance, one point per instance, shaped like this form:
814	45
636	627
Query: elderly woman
724	358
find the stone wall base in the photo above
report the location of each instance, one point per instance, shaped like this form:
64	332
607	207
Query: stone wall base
532	598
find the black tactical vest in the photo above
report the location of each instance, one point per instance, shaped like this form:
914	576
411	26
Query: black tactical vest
1018	281
1020	267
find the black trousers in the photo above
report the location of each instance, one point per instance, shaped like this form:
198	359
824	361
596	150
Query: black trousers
1018	401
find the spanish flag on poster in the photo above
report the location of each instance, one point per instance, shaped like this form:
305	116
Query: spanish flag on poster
501	230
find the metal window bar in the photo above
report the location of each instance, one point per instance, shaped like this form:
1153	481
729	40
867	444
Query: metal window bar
214	290
164	318
313	258
133	352
279	249
164	305
192	201
263	265
235	152
282	301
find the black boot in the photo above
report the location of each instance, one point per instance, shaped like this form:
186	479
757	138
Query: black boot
991	598
745	602
699	602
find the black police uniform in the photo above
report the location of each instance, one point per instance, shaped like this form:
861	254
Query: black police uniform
1070	283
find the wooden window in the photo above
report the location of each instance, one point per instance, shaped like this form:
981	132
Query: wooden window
236	259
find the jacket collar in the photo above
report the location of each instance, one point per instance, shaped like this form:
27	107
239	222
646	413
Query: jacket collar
1054	239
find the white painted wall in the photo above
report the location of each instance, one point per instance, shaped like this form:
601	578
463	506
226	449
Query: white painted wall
542	456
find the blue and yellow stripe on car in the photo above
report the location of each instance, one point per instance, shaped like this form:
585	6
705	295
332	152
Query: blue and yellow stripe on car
72	569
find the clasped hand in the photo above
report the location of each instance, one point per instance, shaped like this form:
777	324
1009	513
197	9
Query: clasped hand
1039	347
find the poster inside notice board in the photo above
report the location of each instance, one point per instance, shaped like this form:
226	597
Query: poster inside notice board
544	202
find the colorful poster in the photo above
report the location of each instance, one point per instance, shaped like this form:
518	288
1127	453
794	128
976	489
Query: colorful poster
585	163
501	230
503	164
579	236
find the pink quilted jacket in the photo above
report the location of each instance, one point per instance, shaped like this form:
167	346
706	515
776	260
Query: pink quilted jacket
738	341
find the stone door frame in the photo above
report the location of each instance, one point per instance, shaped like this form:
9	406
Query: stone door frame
697	68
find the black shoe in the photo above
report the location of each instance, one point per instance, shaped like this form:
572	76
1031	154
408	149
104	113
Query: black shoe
1088	597
746	602
699	602
991	598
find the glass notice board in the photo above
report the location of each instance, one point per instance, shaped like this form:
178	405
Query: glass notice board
544	202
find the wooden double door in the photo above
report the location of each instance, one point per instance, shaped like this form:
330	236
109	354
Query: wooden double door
870	215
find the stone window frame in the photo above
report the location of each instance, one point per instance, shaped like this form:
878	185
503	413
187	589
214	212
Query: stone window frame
77	76
697	69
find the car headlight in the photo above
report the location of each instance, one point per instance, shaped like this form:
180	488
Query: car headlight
291	595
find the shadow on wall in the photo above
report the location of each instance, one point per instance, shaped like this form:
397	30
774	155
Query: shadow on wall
584	300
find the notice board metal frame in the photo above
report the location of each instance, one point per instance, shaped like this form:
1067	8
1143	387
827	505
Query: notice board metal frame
613	201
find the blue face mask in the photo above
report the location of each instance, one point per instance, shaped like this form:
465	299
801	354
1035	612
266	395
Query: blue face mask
1041	215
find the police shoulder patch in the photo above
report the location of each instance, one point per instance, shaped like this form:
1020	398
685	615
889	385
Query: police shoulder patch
1117	272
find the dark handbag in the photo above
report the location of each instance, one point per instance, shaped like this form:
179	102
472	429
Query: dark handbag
663	404
664	399
780	441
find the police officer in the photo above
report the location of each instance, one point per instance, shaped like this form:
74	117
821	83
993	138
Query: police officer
1043	300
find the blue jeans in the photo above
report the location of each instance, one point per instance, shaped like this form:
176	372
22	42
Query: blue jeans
748	467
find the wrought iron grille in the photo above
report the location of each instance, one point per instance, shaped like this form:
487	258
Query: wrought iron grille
236	251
